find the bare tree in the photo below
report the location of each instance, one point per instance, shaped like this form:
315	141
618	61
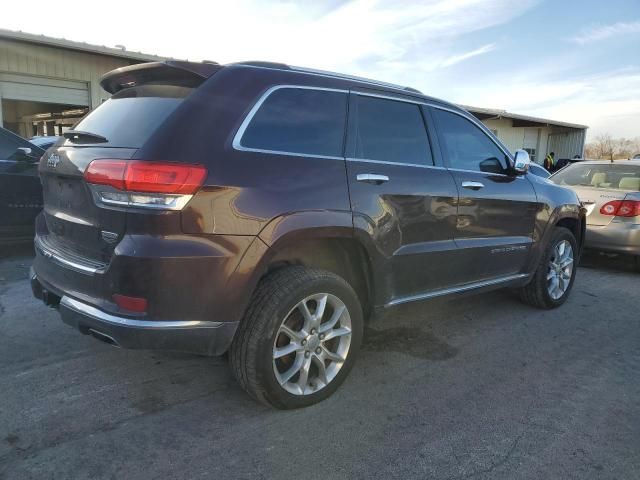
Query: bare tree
606	147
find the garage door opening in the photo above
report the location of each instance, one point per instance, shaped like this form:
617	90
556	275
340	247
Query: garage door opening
28	118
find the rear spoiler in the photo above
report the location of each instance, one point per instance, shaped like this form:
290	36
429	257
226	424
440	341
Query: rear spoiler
188	74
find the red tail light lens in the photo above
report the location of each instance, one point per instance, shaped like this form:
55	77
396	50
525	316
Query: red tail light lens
147	177
132	304
106	172
621	208
154	177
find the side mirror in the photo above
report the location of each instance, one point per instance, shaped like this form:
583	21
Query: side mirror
521	162
26	151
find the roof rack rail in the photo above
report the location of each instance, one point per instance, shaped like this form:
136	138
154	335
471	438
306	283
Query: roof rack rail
260	63
356	78
326	73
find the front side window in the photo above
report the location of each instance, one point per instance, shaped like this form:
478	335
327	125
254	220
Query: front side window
390	131
466	146
299	121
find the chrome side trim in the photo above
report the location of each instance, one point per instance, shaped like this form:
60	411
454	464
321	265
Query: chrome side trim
57	258
448	291
520	177
88	310
237	139
415	101
401	164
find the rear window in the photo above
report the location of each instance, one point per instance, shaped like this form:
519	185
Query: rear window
131	116
616	176
299	121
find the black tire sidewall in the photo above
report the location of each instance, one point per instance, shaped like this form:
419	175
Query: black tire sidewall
326	284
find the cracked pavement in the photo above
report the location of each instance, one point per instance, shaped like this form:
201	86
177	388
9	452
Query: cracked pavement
481	387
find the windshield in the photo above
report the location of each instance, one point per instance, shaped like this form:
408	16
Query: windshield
131	116
617	176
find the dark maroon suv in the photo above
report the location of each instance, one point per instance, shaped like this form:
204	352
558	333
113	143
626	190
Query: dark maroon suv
267	211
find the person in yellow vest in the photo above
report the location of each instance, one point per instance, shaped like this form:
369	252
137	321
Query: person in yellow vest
550	162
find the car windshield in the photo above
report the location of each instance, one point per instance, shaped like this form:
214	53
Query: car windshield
618	176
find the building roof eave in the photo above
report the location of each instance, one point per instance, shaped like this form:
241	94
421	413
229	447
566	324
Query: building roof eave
525	118
78	46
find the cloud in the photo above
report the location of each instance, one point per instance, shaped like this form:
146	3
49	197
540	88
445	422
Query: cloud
351	36
452	60
607	103
602	32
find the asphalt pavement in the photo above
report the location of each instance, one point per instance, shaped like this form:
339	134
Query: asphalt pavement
475	387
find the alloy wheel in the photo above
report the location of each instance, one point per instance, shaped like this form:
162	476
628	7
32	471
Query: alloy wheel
312	344
560	270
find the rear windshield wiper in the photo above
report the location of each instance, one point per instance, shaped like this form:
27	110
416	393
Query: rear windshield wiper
77	136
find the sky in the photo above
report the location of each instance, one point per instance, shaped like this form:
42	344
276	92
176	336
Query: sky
570	60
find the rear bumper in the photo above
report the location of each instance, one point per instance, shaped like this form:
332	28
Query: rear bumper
618	237
200	337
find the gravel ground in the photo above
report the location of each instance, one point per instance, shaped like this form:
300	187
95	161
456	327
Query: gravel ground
479	387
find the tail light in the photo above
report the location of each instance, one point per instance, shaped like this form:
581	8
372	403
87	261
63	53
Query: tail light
137	183
621	208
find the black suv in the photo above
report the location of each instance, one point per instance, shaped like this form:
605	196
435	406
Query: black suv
267	211
20	192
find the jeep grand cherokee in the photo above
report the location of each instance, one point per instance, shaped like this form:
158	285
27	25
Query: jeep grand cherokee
267	210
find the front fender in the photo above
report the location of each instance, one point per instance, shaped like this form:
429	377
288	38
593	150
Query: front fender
556	203
547	221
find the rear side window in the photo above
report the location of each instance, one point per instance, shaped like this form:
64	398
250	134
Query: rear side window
131	116
299	121
466	146
390	131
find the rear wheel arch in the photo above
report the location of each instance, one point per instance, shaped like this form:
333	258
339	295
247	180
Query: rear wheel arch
343	256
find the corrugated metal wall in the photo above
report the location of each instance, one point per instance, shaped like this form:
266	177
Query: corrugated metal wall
564	142
58	63
567	144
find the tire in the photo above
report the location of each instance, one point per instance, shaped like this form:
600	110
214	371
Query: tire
538	292
261	337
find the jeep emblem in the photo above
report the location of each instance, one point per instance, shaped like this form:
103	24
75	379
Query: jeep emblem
53	161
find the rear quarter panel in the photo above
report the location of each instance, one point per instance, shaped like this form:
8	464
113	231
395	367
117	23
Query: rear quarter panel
244	190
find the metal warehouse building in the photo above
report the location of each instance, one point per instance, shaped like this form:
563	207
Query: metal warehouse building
538	136
47	84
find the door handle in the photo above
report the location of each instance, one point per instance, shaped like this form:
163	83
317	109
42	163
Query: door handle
372	178
472	185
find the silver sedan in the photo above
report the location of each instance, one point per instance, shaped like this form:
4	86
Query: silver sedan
610	190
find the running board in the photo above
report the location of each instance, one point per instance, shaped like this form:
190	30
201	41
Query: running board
459	289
